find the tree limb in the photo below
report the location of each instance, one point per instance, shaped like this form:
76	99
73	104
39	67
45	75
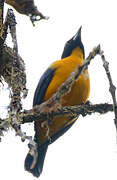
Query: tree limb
1	26
112	88
84	109
28	8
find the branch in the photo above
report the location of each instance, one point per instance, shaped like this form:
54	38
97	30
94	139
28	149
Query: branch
84	109
13	72
12	26
1	26
1	11
112	88
28	8
34	114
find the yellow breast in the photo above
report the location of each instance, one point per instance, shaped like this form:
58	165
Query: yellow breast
80	89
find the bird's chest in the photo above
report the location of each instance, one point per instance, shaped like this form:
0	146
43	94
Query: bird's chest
79	91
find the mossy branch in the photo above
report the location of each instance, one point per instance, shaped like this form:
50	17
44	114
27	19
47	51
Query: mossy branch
28	8
35	114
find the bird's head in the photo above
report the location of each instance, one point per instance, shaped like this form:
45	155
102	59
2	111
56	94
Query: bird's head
73	43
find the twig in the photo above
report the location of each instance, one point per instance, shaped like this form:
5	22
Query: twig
12	26
15	105
1	11
84	109
28	8
112	88
13	72
17	88
1	26
34	114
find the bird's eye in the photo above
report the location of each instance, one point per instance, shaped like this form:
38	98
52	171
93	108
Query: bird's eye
67	43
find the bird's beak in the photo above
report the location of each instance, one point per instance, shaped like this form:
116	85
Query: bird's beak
78	34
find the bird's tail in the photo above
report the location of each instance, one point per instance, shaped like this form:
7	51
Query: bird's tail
37	167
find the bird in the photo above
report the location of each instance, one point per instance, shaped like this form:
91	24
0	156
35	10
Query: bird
73	55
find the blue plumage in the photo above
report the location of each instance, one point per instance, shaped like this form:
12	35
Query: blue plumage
42	86
41	149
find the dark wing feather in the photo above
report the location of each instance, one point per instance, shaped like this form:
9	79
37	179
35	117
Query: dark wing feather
42	86
38	99
61	132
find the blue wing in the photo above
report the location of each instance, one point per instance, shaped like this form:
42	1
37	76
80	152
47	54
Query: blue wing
42	86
